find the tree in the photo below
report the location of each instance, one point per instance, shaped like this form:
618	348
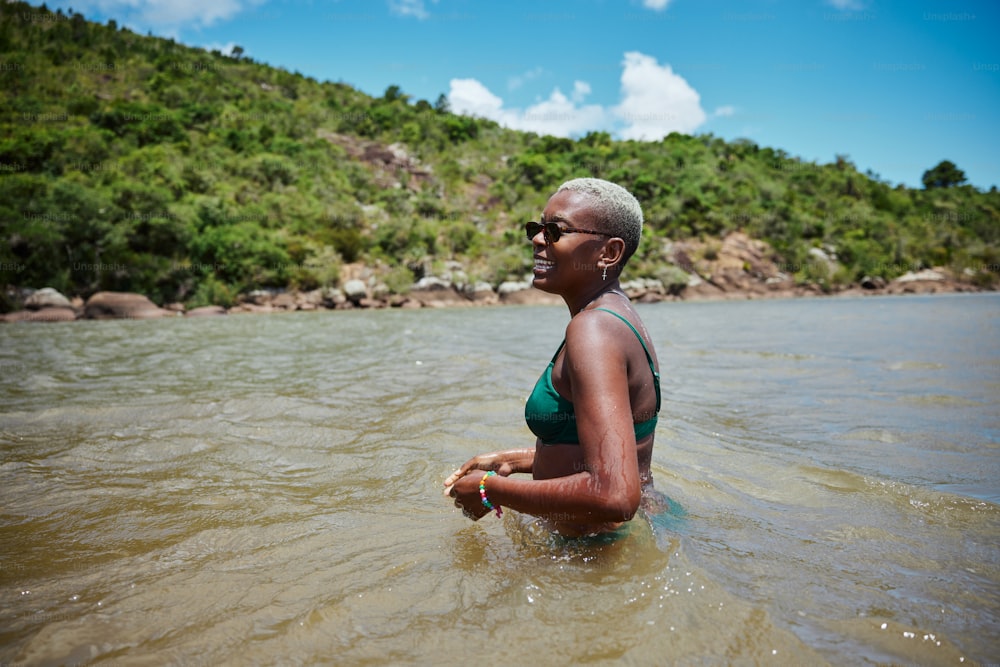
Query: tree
944	175
395	93
596	139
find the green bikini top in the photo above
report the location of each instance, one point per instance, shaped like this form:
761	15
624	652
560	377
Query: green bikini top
553	419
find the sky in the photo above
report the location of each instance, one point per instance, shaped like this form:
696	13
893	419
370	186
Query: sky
894	85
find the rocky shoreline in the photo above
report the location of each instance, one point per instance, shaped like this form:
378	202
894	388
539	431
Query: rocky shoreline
48	305
735	267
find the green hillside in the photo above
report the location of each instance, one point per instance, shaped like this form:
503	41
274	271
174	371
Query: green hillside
134	163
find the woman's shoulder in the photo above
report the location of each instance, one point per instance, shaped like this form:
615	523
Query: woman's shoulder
598	317
595	327
601	329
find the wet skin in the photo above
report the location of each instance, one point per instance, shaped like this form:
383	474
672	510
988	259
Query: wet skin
596	485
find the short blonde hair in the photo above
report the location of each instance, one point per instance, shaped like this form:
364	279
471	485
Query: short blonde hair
617	208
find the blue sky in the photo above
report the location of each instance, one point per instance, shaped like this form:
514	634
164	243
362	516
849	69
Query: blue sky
896	85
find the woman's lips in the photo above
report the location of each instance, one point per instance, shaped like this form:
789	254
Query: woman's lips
542	265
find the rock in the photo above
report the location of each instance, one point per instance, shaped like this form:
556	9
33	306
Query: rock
819	255
527	296
312	298
435	292
388	163
431	283
460	279
780	279
645	290
511	286
482	293
651	297
332	297
927	281
175	308
739	264
403	301
47	297
206	311
283	301
439	298
251	308
355	290
53	314
122	305
699	289
869	283
778	286
258	297
926	274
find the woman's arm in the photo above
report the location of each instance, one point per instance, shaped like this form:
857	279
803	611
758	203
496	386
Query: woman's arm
503	463
607	488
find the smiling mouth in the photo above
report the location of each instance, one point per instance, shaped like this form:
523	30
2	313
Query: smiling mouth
543	264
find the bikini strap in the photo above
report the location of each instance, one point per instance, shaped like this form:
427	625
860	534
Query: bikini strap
561	346
649	357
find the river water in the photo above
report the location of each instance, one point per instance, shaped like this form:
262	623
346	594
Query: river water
267	490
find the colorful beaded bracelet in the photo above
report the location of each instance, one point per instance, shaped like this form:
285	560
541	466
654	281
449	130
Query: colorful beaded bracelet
482	494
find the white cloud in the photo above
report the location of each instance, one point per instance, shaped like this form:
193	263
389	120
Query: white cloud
557	115
414	8
471	98
657	5
560	116
655	100
164	15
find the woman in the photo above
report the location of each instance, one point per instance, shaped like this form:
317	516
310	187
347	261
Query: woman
595	407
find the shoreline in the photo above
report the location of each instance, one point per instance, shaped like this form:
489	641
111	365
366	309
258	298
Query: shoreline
50	306
733	268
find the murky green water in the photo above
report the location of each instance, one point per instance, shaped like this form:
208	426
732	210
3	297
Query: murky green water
266	490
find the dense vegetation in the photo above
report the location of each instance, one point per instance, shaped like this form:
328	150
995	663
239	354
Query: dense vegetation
137	164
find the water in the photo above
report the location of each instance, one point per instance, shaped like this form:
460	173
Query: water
266	490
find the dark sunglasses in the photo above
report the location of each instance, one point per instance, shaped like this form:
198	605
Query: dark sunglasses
551	231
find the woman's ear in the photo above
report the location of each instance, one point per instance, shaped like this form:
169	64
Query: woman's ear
613	252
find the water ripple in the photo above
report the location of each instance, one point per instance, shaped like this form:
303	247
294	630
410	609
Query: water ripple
267	490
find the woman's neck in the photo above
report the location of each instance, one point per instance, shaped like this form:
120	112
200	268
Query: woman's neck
612	287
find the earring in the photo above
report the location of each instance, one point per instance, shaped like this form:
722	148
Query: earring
604	276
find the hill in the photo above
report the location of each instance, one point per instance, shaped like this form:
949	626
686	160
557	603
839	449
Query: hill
134	163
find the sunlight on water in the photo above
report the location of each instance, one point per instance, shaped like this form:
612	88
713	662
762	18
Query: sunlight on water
266	489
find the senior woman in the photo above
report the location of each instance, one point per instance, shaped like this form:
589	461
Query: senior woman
595	406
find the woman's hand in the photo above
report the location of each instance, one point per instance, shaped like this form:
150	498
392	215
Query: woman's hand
465	491
503	463
463	484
